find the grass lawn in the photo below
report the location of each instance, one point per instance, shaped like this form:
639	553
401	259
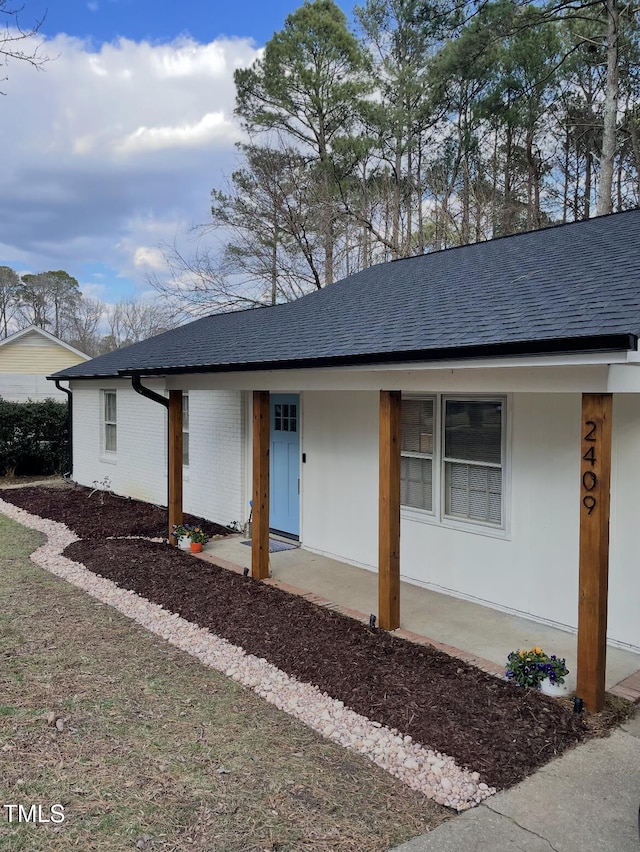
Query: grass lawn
156	751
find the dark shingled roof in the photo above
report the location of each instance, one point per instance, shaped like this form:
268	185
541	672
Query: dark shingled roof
572	287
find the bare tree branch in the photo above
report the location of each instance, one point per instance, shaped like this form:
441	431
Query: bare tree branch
17	41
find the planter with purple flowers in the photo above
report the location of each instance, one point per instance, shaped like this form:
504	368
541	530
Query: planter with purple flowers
536	669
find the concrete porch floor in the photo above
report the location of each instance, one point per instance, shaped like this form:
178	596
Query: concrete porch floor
473	632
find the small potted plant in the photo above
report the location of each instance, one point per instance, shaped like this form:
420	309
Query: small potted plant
536	669
553	683
182	534
198	539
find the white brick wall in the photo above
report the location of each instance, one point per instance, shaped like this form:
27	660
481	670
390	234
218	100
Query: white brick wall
215	479
138	468
214	483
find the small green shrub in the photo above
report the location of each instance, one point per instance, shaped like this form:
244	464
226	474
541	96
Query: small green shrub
33	437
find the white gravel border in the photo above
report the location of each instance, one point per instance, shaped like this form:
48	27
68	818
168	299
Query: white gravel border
432	773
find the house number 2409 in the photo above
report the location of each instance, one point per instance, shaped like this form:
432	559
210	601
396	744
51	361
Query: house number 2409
589	478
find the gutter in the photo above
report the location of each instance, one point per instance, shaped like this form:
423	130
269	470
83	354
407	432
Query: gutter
561	346
69	394
621	342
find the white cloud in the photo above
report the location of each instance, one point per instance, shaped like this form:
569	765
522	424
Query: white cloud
108	152
149	258
187	59
94	290
212	126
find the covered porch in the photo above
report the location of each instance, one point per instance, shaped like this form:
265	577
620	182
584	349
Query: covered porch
558	433
479	634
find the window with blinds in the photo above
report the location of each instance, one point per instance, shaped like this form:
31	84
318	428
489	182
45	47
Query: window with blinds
452	459
416	464
472	460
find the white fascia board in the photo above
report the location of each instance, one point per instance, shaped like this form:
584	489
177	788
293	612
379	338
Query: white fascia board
569	373
568	360
583	378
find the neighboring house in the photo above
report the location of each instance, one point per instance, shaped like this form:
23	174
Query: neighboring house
27	358
448	418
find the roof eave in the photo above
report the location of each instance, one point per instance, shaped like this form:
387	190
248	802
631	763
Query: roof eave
556	346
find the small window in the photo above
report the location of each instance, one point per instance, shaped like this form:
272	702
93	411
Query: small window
110	422
285	417
416	466
185	429
473	460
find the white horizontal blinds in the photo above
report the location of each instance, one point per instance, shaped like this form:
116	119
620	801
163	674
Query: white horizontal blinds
185	429
417	425
416	483
110	422
473	492
416	465
473	460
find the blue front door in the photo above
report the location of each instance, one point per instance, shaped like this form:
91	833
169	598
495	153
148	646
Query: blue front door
284	472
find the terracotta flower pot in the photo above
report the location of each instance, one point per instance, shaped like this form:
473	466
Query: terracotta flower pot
196	546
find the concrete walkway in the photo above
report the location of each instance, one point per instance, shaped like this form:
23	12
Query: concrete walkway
586	801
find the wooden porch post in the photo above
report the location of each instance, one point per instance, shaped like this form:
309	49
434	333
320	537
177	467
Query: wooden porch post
389	511
260	508
595	479
175	461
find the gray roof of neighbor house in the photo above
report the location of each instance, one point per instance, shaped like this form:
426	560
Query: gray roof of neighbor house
571	287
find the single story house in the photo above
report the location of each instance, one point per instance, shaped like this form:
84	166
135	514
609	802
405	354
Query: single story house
468	420
27	358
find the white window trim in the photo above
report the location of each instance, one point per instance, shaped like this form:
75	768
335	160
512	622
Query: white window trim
105	455
437	517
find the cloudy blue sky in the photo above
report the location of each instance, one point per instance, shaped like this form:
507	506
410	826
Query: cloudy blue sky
113	147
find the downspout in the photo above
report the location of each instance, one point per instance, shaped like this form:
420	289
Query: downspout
143	391
69	426
154	397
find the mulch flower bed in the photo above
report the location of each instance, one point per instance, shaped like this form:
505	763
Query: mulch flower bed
100	514
501	731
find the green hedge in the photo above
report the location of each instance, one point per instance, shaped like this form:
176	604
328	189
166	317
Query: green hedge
33	437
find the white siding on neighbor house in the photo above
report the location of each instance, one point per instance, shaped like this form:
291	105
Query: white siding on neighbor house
214	479
36	353
530	569
26	362
21	387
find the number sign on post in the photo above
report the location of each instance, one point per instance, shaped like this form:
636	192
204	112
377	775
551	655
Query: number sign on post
595	476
